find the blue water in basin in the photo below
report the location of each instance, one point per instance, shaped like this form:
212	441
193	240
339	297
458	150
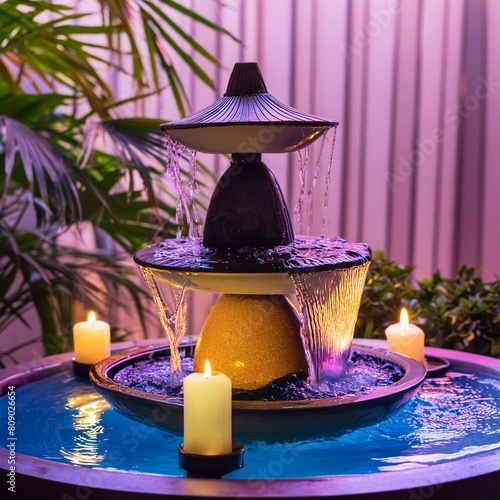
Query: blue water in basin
63	419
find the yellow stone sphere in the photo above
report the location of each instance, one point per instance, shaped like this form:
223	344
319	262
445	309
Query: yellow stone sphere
253	339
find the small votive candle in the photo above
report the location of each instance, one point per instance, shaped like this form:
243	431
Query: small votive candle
406	338
207	413
91	340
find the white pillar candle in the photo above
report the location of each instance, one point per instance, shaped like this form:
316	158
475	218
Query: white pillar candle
406	338
91	340
207	413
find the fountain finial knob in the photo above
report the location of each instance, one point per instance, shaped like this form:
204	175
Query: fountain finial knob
245	79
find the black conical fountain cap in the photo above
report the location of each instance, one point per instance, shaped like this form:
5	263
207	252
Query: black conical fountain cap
247	208
246	79
248	119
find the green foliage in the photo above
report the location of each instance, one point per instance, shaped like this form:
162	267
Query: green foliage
72	163
386	291
460	313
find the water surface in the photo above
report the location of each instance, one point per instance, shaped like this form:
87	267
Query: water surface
63	419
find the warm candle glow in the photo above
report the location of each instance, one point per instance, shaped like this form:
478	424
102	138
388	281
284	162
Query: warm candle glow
91	340
404	320
207	413
406	338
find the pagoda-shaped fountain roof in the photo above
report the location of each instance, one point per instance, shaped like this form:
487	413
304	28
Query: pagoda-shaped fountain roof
259	122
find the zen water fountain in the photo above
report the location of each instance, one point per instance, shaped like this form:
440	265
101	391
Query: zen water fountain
250	255
319	413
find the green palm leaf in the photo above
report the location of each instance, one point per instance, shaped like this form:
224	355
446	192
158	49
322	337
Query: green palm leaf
45	168
44	54
45	47
165	41
137	142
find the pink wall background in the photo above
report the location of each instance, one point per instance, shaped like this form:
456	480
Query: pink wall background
415	85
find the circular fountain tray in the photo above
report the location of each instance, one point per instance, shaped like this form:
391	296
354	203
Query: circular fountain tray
186	262
268	420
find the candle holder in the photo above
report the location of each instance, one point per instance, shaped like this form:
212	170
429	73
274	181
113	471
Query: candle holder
81	370
435	365
211	466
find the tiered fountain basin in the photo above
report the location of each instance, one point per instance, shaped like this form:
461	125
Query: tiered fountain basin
444	443
186	262
325	275
249	247
268	420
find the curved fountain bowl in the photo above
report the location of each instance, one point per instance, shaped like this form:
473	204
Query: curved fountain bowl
267	420
261	271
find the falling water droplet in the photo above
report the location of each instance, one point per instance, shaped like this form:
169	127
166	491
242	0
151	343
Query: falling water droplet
303	210
299	207
327	183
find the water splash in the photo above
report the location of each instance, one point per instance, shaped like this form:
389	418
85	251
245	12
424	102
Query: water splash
298	210
173	319
302	255
186	211
329	304
303	210
364	375
327	182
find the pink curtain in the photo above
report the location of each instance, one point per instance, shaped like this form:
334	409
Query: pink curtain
415	85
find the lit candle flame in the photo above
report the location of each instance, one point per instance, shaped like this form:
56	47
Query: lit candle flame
92	318
403	320
208	370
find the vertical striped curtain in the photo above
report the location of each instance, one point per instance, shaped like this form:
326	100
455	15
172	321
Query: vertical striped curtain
415	85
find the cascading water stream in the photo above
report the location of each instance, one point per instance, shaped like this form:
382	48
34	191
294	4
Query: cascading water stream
173	313
186	211
172	316
328	178
303	161
303	210
329	303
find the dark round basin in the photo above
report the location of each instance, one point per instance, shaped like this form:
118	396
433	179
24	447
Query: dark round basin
267	420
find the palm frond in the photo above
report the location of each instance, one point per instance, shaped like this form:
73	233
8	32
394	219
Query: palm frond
196	17
45	275
51	52
155	25
157	22
45	168
136	143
